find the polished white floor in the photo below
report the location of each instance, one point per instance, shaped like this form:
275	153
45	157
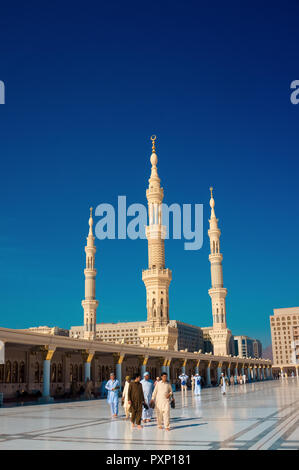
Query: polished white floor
252	416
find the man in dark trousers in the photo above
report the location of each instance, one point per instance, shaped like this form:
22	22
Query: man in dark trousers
136	400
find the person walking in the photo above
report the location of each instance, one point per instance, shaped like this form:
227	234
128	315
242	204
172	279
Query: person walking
192	382
113	387
223	383
148	388
183	378
197	384
88	389
161	396
125	397
136	400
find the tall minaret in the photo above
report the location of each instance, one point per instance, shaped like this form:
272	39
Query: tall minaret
90	303
220	334
157	278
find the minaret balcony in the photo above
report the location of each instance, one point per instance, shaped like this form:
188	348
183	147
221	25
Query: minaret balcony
90	272
215	257
154	192
156	273
155	232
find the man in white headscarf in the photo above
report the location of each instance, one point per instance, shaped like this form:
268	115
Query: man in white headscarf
148	388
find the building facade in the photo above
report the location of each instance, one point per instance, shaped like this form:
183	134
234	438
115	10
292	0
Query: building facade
49	330
189	337
247	347
52	365
284	325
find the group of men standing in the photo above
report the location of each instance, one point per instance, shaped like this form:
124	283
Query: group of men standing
140	397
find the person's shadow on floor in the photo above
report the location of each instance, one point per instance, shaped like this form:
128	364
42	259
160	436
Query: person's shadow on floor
187	426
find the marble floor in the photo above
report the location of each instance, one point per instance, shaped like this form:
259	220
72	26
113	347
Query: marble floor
252	416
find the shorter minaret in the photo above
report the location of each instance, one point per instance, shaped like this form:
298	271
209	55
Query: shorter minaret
220	335
90	304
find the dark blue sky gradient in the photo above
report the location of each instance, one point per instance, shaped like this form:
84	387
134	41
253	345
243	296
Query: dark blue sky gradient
86	86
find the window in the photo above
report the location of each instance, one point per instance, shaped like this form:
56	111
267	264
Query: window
15	372
36	373
53	374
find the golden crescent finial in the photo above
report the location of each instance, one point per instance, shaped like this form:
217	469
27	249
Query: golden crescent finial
90	211
153	138
211	189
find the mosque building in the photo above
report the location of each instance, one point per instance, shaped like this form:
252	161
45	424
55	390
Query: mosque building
45	360
158	331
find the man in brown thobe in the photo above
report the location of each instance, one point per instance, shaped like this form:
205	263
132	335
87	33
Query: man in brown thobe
136	400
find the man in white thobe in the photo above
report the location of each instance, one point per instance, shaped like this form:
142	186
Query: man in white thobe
197	384
148	388
161	395
113	389
125	397
223	384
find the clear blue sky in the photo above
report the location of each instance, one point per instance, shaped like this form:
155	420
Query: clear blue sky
86	86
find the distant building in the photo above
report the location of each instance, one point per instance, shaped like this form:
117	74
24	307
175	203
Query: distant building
247	347
49	330
285	338
126	332
189	337
208	345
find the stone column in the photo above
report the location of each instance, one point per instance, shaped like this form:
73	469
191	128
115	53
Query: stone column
249	373
48	354
184	366
236	373
143	360
118	360
87	358
228	372
259	372
219	370
168	369
208	375
197	367
164	365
